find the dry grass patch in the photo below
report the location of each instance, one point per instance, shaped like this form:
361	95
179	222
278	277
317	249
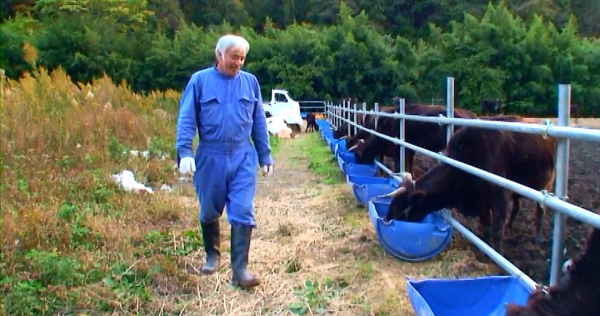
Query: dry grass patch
72	238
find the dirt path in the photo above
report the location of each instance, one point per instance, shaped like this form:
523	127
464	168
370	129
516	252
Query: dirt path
315	250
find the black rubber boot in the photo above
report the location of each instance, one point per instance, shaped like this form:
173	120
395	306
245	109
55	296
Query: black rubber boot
211	235
240	247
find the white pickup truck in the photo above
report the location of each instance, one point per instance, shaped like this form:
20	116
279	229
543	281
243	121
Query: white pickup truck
283	106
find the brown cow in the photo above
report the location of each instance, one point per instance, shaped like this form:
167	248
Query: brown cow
368	121
342	131
578	295
431	136
527	159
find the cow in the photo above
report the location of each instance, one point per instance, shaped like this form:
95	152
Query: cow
342	131
493	106
577	295
523	158
431	136
368	121
575	112
311	123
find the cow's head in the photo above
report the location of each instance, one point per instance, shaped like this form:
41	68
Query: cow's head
355	144
341	131
407	202
368	149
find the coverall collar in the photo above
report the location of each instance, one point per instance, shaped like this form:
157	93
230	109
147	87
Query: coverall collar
221	74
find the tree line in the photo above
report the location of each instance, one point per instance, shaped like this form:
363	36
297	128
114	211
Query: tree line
496	54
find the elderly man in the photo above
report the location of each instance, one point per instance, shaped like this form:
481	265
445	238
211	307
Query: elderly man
224	104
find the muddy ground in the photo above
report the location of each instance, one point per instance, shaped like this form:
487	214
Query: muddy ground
583	191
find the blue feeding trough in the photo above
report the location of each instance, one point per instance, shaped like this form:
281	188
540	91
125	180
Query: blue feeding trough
366	188
345	157
409	241
340	146
325	128
348	165
335	144
359	169
327	138
323	123
483	296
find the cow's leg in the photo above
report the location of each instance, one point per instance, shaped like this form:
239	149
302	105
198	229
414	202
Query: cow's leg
516	206
485	226
500	203
539	221
409	158
485	229
380	172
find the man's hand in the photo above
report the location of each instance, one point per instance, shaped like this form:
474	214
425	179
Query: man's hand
187	165
267	170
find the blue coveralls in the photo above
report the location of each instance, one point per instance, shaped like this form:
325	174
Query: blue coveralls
227	112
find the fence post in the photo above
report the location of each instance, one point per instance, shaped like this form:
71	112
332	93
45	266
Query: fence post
449	107
340	110
562	176
364	108
347	116
355	118
376	116
402	167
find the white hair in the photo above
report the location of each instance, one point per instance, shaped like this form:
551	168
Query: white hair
230	41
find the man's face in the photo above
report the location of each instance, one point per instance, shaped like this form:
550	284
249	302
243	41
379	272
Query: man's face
234	60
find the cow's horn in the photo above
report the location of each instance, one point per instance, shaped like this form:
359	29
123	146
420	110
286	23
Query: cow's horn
353	148
394	193
407	176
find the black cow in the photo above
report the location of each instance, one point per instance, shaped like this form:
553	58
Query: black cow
575	111
311	123
523	158
579	293
431	136
491	106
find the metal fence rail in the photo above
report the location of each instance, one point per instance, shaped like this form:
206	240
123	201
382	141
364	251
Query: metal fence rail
337	115
313	106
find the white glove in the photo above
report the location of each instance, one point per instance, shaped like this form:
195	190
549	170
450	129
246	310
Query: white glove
267	170
187	165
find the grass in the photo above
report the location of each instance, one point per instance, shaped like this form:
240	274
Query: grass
73	242
275	144
70	236
320	160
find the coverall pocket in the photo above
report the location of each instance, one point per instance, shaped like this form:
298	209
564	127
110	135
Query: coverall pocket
209	110
247	105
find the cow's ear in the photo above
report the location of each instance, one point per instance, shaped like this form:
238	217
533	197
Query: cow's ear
417	197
